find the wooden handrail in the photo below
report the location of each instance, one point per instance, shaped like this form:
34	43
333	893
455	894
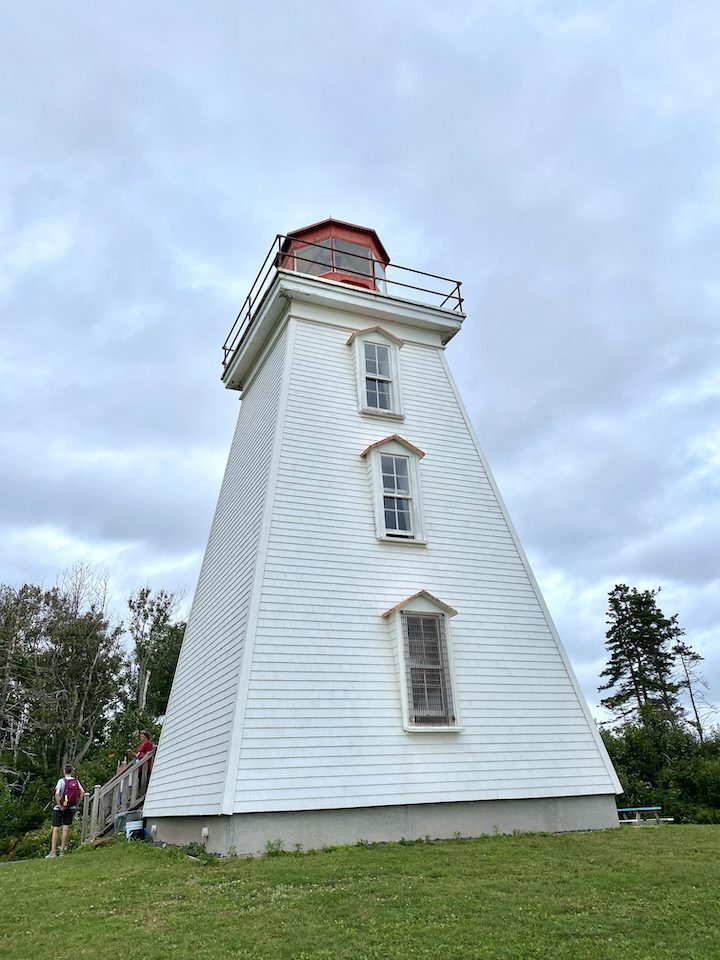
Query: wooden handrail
122	793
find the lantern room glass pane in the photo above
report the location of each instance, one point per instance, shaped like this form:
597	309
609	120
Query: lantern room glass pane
352	258
379	270
314	259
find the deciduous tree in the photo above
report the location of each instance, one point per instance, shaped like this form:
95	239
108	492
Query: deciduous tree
150	627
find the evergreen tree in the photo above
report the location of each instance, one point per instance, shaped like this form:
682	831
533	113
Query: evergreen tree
639	672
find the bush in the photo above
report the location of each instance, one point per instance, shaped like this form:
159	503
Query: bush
660	763
34	844
20	814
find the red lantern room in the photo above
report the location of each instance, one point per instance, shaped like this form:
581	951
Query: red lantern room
335	250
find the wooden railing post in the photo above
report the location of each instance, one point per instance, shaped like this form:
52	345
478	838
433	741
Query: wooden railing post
94	814
135	779
85	810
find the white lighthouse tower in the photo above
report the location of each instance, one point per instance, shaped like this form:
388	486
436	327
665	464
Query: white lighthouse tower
368	655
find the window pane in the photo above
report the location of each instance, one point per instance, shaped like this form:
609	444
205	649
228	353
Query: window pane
314	259
378	393
397	514
383	360
403	512
352	258
380	276
395	471
377	360
388	471
383	392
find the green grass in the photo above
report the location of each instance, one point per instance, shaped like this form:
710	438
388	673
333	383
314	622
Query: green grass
645	894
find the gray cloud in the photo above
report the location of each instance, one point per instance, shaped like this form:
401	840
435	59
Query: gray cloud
561	159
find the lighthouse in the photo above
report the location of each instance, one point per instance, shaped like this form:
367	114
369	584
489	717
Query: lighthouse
368	655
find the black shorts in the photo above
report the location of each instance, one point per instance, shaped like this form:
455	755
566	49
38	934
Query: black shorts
63	818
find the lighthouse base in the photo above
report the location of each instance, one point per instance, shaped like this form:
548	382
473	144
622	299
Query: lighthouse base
257	833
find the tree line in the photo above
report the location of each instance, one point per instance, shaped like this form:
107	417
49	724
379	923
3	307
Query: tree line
76	687
661	738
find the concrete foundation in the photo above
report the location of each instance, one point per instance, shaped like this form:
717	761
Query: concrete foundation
251	833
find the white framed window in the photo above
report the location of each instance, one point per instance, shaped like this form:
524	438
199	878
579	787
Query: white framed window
422	631
397	496
378	376
377	366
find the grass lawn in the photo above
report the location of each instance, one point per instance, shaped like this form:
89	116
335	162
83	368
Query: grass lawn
649	893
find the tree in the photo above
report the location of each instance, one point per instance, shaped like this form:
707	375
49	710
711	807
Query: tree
639	671
690	680
62	672
19	623
165	661
150	628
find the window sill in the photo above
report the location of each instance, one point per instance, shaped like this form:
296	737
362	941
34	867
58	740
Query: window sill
386	414
413	729
403	540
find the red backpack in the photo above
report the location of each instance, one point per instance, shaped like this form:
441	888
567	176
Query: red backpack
71	792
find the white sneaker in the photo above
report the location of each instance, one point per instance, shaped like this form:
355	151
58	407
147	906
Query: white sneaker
51	854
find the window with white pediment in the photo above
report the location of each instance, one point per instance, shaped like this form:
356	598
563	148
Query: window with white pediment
394	466
377	366
421	625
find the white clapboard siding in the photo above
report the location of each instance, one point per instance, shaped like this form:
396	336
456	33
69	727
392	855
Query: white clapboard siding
190	770
321	724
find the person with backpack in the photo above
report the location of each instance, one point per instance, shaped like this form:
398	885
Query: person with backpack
68	794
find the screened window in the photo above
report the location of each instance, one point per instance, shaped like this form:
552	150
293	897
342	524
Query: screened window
378	378
427	667
397	500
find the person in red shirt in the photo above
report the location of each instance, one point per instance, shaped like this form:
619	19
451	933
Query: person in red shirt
146	745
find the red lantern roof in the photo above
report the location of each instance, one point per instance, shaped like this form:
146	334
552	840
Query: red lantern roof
337	250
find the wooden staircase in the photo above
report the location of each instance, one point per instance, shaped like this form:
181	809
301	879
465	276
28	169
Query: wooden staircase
124	793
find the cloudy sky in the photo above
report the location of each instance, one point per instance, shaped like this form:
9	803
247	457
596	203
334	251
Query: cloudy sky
561	158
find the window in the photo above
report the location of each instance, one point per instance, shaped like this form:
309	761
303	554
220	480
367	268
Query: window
380	276
397	502
352	258
378	372
333	255
378	381
420	628
395	482
427	670
314	258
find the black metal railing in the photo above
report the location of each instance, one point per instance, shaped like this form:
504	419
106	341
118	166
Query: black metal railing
432	290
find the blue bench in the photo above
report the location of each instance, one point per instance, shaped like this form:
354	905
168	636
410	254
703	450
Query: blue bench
639	815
